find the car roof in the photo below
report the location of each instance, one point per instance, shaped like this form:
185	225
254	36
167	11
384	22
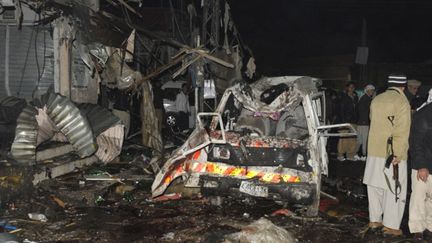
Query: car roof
298	86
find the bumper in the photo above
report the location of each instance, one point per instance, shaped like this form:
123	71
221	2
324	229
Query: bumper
298	193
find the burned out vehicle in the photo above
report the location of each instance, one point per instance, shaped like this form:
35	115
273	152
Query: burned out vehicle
266	140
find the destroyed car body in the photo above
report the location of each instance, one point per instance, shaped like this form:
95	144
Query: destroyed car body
266	140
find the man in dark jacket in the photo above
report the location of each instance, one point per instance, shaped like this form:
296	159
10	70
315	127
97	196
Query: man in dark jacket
363	110
411	92
420	208
348	114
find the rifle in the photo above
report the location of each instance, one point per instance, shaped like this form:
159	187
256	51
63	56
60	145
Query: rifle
389	161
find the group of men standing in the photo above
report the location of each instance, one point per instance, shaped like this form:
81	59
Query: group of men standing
356	112
392	137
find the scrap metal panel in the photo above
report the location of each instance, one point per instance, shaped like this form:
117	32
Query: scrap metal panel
24	145
22	67
68	118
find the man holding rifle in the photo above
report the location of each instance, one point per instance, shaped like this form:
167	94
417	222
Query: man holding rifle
388	142
420	208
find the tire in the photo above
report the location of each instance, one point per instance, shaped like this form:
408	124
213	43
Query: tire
171	120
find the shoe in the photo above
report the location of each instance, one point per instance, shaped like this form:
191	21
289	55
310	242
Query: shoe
363	158
418	236
356	158
391	232
375	225
427	236
341	158
371	228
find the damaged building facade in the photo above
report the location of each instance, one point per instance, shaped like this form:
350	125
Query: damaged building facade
97	52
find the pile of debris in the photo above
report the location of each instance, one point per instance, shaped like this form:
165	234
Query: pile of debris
54	126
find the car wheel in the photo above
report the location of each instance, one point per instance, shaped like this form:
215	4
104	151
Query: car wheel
171	120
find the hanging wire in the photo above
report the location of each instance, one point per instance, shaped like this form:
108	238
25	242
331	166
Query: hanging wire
40	72
25	61
36	49
176	22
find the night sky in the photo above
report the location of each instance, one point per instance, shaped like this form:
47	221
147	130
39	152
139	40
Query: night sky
398	31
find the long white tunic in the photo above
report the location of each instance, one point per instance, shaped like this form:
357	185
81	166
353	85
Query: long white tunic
375	170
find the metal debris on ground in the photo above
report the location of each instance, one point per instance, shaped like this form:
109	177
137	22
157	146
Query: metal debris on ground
38	217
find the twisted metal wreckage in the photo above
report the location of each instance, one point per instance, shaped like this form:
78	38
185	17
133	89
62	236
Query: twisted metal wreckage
266	139
105	43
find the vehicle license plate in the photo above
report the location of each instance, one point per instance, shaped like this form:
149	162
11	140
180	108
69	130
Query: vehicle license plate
250	188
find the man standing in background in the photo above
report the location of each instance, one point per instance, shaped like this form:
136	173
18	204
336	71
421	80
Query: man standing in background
389	131
182	107
411	92
363	122
158	102
420	208
348	114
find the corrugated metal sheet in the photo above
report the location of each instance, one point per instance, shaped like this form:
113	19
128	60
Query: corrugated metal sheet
100	119
24	145
72	123
47	128
107	128
23	70
110	143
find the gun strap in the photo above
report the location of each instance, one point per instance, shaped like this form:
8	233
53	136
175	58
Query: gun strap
390	139
390	152
390	147
388	183
396	193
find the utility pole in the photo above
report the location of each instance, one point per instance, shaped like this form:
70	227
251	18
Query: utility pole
210	39
362	53
210	23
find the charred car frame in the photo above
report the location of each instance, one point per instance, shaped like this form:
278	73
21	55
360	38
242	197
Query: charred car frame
266	139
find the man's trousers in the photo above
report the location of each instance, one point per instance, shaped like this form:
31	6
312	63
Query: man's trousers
420	208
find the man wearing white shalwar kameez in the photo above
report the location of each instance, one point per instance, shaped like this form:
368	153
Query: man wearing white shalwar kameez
420	208
390	118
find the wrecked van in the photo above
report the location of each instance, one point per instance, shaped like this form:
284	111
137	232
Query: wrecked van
266	139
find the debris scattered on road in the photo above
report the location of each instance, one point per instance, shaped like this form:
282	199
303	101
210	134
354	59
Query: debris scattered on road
283	212
38	217
261	231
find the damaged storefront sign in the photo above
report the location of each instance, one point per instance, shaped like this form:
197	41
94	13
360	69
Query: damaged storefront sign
264	140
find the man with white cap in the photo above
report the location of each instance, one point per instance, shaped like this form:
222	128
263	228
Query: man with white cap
388	140
363	109
411	91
